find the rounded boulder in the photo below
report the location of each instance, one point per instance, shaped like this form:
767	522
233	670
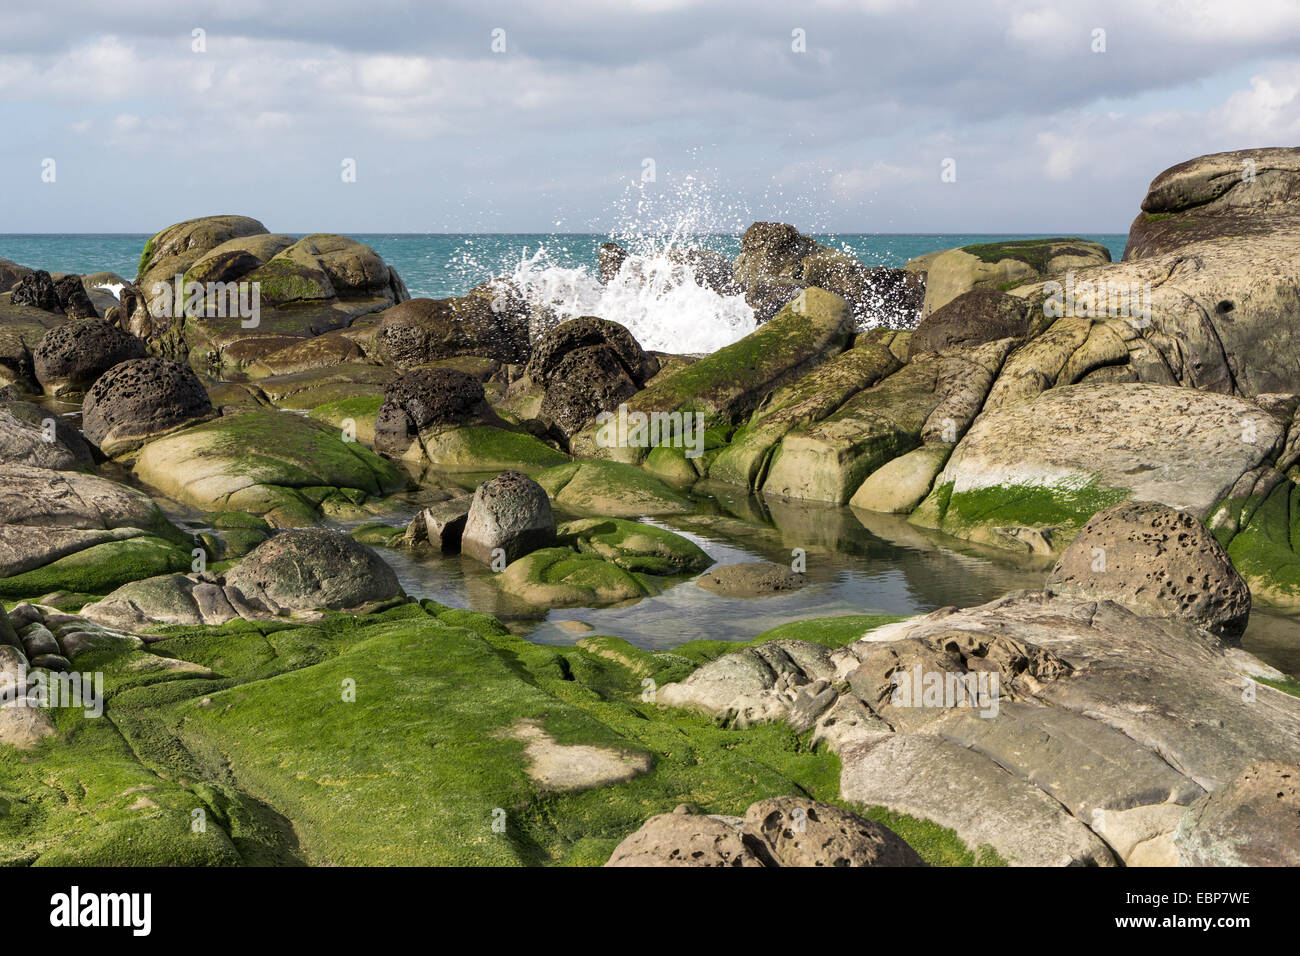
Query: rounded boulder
313	569
139	399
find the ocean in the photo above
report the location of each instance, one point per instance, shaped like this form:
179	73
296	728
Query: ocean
559	270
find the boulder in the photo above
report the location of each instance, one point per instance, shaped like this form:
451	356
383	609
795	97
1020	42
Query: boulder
36	289
73	299
684	839
11	273
561	577
490	321
1155	560
426	398
796	831
440	525
70	357
610	260
30	435
141	399
898	486
312	569
1253	821
635	546
610	488
510	512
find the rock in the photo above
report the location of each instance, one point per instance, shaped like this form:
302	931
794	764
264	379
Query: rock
970	319
491	321
561	577
684	839
311	569
29	440
771	250
610	260
11	273
280	466
173	599
1253	821
440	525
587	366
71	356
1028	476
1155	560
1235	195
751	579
174	250
510	512
423	399
141	399
52	662
73	299
24	724
993	265
802	832
36	289
37	640
898	486
726	386
610	488
634	546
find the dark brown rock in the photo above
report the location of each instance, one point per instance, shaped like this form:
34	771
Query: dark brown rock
426	398
71	356
973	318
139	399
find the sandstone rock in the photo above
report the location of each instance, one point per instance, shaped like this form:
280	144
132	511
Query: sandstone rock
801	832
71	356
23	724
1252	821
565	768
510	512
25	433
141	399
898	486
310	569
561	577
1155	560
684	839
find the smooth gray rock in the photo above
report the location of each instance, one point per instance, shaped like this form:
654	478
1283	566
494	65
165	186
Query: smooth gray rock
510	512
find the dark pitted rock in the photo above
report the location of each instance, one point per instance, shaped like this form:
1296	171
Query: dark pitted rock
587	366
73	299
491	320
750	579
1155	560
685	839
426	398
771	250
139	399
311	569
1253	821
71	356
36	289
799	832
973	318
610	259
1239	194
510	512
769	298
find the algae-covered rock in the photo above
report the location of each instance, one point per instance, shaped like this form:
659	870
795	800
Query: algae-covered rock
898	486
275	464
635	546
561	577
610	488
1027	477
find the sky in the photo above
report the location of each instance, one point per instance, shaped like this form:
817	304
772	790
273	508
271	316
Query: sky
1001	116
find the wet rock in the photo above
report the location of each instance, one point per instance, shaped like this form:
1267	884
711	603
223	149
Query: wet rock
310	569
72	356
1155	560
440	525
492	321
141	399
1253	821
751	579
610	259
510	512
800	832
561	577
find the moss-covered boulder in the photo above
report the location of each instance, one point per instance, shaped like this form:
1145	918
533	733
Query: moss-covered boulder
562	577
635	546
275	464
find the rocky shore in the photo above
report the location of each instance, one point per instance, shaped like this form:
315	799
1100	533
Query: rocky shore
211	473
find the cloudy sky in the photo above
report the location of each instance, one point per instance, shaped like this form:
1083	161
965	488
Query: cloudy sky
149	123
